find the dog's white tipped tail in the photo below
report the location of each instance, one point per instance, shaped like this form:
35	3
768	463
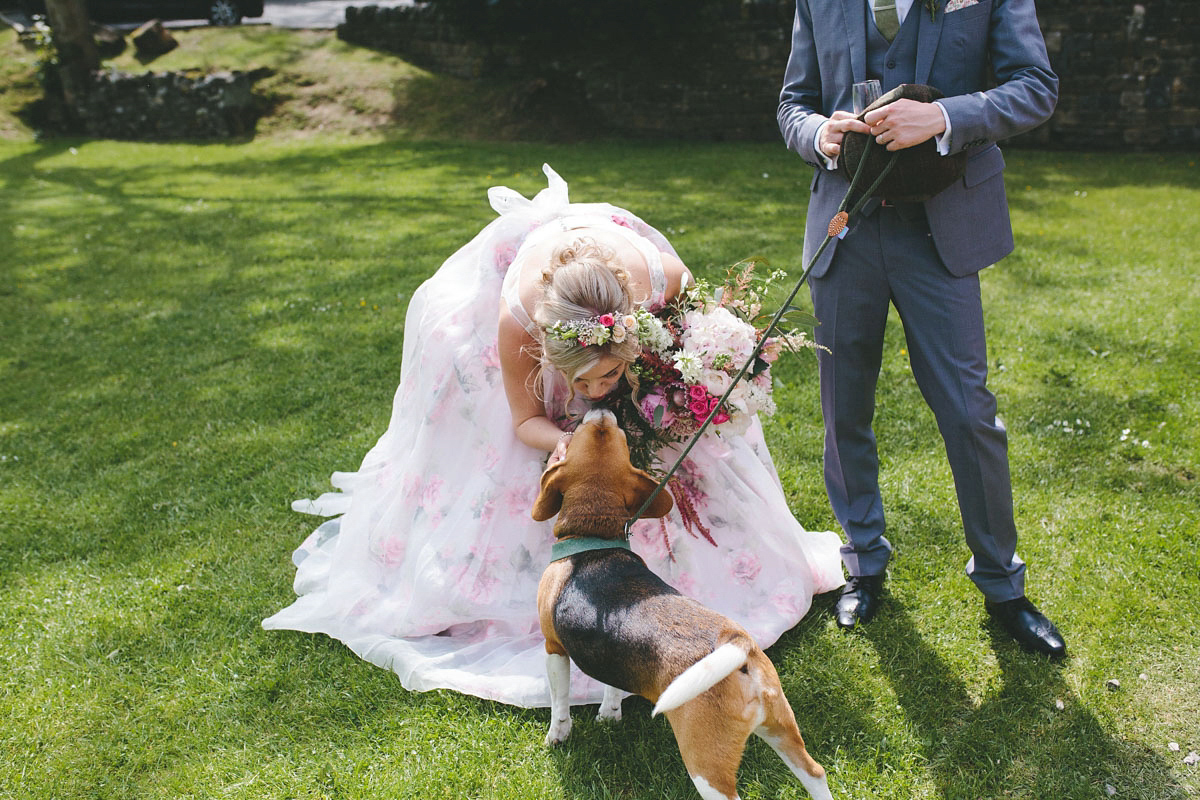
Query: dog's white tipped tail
702	676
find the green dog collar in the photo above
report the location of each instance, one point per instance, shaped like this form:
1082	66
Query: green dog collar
564	548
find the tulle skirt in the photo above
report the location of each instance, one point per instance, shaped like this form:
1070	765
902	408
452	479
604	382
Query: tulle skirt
430	561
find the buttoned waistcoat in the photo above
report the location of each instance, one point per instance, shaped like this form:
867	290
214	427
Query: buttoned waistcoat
989	59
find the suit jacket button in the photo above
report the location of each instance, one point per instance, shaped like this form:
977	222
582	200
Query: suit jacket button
891	65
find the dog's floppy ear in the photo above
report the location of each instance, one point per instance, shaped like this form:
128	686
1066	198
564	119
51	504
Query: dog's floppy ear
549	499
643	485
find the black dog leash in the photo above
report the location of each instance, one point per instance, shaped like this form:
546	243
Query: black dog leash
836	226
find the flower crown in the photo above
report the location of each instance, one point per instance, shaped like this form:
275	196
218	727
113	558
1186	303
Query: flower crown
605	328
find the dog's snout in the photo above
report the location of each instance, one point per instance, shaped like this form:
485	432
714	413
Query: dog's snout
600	415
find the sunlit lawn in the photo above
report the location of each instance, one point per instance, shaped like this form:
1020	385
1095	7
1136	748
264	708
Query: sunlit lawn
193	336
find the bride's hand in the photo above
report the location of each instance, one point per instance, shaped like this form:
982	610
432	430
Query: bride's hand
560	450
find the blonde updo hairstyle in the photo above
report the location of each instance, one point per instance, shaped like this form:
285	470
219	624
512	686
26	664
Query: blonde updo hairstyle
583	281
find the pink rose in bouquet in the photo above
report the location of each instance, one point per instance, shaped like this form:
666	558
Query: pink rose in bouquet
701	349
657	409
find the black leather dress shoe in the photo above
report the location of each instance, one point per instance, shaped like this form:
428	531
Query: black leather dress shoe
859	600
1022	621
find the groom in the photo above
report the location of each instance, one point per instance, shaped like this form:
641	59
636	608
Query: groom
989	59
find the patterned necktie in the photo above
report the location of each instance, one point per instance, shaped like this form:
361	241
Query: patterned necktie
886	18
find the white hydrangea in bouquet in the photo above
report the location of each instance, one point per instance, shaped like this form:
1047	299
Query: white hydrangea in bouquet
692	352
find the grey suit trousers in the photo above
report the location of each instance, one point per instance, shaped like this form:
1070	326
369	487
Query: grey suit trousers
888	257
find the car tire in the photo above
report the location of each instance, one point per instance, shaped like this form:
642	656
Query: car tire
224	12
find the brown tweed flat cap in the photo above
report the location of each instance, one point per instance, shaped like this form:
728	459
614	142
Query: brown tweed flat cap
920	172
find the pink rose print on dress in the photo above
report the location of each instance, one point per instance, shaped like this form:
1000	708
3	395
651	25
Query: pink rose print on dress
649	541
744	566
491	457
476	579
505	253
411	487
431	500
392	550
445	398
520	500
623	221
684	583
491	356
364	606
787	604
484	508
432	492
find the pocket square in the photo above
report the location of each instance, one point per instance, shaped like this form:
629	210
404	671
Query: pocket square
958	5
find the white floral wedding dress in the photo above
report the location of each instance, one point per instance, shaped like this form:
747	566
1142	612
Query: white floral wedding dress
430	562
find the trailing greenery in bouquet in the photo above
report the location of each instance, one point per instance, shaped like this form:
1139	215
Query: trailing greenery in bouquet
692	351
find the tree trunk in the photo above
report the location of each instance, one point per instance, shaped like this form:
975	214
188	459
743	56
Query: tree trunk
77	57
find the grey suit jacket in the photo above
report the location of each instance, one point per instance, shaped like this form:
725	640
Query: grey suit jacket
969	220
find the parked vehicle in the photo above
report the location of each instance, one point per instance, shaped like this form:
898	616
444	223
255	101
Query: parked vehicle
217	12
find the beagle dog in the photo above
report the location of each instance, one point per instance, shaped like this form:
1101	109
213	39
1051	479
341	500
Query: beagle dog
599	605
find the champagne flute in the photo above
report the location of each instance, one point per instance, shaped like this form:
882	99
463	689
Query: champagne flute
865	93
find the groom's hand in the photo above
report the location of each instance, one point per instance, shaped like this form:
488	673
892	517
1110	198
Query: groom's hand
835	129
905	123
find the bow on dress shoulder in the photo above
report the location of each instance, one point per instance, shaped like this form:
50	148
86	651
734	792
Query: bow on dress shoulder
549	202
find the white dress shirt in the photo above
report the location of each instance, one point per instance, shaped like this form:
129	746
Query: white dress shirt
942	140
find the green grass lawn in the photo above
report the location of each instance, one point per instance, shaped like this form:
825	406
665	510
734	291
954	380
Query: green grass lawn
192	336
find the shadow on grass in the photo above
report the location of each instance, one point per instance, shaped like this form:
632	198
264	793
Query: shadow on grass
1015	741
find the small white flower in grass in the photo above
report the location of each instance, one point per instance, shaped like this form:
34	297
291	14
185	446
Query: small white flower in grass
1127	435
1076	428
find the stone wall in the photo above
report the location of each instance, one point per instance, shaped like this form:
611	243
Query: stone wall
1130	71
161	106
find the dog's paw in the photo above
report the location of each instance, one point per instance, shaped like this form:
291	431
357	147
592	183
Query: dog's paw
609	713
559	731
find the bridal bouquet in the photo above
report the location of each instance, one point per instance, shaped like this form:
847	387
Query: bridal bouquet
691	352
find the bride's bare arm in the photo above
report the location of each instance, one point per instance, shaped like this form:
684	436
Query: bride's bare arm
519	367
678	276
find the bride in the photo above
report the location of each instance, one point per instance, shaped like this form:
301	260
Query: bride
429	563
